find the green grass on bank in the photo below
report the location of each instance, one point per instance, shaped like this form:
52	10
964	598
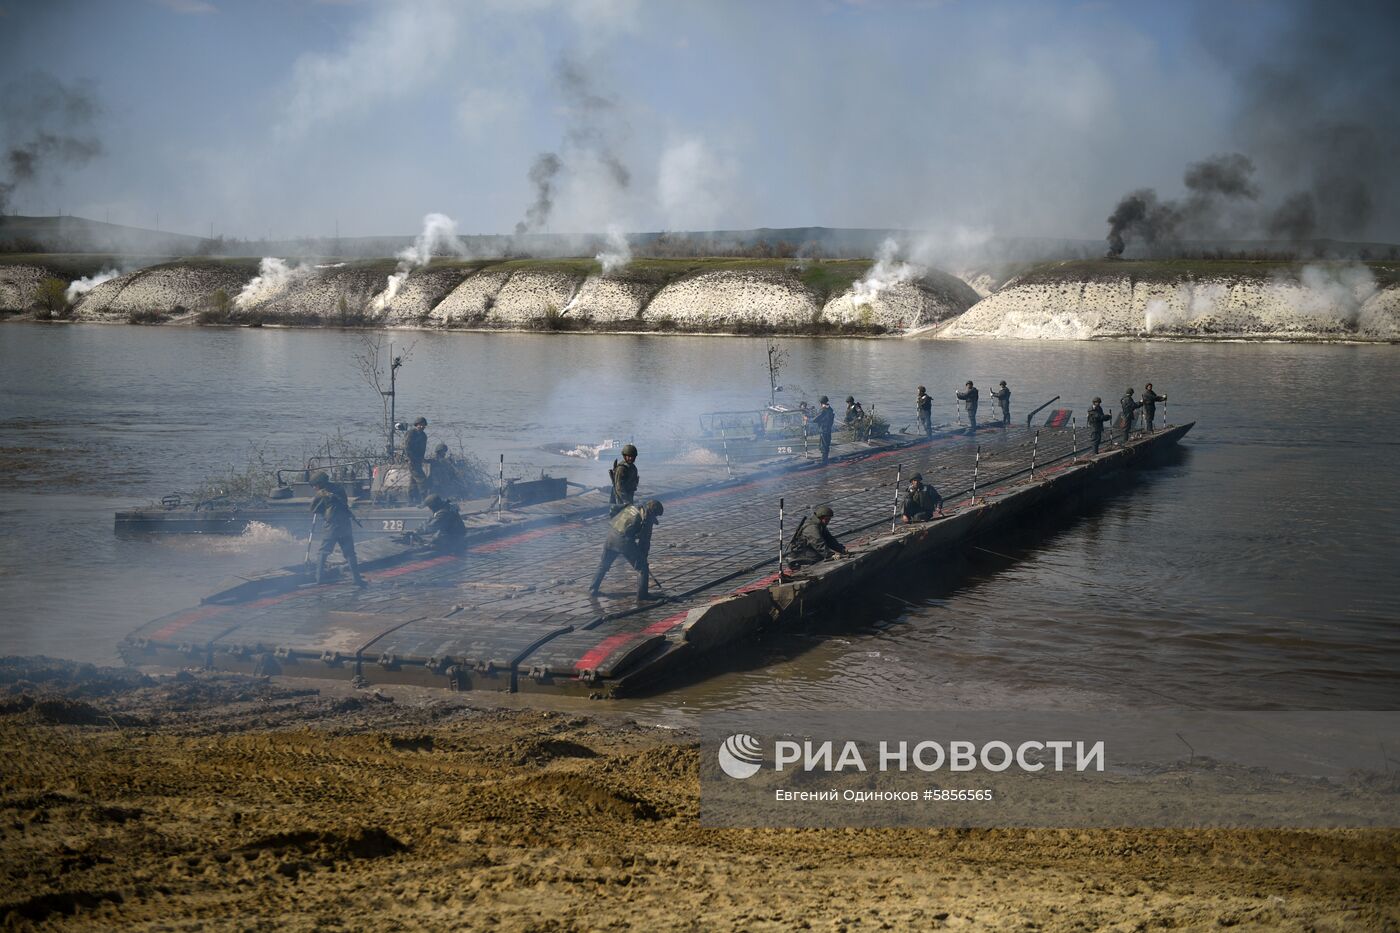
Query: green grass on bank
1177	270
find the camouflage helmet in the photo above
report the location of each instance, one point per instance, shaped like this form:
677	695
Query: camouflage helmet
440	449
922	390
420	420
917	478
824	511
850	399
823	400
1097	400
434	502
320	480
1128	390
654	508
629	450
1003	382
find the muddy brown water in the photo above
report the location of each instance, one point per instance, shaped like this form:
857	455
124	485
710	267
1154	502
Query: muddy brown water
1255	569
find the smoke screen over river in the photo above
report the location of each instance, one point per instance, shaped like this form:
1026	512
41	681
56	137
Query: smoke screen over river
1254	569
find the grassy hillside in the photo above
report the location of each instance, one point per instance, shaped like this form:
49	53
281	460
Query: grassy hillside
1176	270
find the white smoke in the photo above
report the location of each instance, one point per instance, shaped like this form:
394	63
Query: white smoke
274	277
88	283
617	254
886	273
1190	303
1335	291
695	185
439	236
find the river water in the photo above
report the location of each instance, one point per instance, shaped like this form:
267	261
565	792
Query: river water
1257	569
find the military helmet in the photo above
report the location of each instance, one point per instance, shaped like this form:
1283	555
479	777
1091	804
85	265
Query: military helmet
823	400
1128	390
654	507
320	479
420	420
969	382
629	450
1003	382
922	390
917	478
850	399
823	511
440	449
434	502
1097	400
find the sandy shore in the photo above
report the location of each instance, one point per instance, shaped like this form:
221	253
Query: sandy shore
202	801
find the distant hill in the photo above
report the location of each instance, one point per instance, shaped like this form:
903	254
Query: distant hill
67	234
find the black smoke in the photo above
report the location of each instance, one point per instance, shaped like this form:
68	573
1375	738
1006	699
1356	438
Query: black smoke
593	131
1216	189
47	126
1319	119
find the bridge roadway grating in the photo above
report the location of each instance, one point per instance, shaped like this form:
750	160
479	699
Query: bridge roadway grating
517	605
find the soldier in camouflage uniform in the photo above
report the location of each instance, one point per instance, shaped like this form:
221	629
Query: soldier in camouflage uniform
330	504
629	536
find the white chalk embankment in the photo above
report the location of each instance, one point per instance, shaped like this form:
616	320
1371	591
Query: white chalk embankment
18	284
1315	302
683	296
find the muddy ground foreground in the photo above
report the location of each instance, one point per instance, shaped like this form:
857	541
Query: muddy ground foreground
200	801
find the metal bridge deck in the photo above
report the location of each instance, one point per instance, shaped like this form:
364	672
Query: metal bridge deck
514	611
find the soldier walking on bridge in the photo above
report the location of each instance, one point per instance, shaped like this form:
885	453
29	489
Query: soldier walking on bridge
824	419
624	478
1129	407
1149	406
1003	396
969	396
921	502
629	535
812	542
333	508
1096	419
924	406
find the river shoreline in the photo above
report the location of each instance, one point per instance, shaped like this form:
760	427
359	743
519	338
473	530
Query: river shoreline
198	798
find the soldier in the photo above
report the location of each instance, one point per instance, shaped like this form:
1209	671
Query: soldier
924	406
921	502
445	530
624	478
812	542
969	395
824	419
854	412
1149	406
330	504
443	478
1096	419
1129	407
1003	396
629	535
415	447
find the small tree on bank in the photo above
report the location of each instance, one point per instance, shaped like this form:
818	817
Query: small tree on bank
51	297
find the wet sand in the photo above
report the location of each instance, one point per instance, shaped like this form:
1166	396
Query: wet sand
207	801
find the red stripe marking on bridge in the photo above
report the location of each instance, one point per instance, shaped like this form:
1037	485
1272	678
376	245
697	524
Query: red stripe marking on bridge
411	568
186	619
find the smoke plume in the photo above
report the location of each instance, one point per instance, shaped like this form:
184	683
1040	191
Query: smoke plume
1218	188
274	277
1321	127
887	272
439	237
87	283
593	133
47	126
617	254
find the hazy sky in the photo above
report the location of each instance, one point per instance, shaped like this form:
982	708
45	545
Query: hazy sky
969	118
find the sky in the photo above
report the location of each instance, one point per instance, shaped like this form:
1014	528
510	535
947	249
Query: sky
286	118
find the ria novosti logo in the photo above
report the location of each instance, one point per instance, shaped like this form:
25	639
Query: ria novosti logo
740	756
